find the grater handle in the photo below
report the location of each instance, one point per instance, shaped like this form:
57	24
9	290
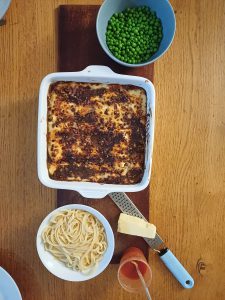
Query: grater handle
176	268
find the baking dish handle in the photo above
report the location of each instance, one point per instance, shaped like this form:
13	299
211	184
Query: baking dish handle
96	70
93	194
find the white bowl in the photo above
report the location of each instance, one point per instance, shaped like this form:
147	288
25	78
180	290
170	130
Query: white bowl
100	74
56	267
8	287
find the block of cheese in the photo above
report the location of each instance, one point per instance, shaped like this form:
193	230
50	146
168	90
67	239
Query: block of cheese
135	226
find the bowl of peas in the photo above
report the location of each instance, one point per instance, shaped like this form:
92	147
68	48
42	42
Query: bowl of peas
135	32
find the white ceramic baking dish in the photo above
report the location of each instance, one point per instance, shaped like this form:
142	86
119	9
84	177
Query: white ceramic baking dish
98	74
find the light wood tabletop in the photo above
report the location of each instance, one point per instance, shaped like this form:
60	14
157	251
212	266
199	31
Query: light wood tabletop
187	201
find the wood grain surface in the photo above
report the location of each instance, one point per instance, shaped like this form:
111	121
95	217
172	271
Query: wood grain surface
188	175
78	45
77	26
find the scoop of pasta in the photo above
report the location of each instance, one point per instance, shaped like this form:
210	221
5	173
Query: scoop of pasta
76	238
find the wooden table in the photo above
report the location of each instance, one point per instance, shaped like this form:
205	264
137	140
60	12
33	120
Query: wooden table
188	176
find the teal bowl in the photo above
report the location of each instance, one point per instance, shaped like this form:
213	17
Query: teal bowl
163	10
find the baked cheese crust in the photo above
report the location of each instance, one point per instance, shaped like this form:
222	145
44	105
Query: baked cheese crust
96	132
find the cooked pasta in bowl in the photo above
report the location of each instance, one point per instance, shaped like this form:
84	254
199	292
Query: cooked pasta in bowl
75	242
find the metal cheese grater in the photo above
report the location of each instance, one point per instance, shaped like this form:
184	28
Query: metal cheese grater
126	205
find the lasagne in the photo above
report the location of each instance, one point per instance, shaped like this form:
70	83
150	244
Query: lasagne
96	132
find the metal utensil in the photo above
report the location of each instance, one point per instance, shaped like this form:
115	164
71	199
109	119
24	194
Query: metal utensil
126	205
142	281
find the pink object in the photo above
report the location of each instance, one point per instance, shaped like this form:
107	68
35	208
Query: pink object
127	272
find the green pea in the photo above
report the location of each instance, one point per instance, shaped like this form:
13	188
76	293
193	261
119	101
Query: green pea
134	34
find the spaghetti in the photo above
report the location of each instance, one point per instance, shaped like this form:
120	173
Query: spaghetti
76	238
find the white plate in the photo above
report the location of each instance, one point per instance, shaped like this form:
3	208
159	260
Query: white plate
8	288
56	267
4	5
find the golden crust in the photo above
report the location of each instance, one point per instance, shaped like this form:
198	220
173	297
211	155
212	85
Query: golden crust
96	132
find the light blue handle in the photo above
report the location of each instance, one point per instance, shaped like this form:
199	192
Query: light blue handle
177	269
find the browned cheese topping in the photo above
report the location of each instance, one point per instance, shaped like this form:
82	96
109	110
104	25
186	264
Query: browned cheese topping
96	132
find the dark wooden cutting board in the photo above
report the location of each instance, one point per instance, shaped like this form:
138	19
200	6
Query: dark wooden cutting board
78	47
